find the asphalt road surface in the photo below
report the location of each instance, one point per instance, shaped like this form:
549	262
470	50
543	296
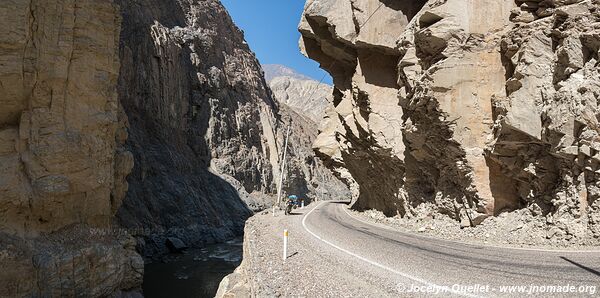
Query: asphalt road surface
426	266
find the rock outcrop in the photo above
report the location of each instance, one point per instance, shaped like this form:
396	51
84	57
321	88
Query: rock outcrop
202	124
62	161
465	108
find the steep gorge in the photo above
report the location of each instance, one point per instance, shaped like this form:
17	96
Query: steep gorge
464	108
202	124
123	118
205	130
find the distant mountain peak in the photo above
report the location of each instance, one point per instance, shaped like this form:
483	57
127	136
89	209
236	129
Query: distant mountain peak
277	70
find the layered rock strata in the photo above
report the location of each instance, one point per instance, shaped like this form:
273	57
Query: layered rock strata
62	161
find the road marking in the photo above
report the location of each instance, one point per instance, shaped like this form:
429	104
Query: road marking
383	226
405	275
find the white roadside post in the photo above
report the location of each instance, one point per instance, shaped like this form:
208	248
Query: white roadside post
273	210
302	203
285	240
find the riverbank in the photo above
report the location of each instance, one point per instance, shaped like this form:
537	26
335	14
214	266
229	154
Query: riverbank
192	273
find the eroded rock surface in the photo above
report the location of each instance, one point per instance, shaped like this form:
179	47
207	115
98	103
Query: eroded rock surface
62	161
465	108
201	124
206	133
308	97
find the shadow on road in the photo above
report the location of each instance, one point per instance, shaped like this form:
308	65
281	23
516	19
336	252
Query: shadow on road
340	202
597	273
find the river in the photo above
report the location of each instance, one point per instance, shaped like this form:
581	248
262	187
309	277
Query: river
193	273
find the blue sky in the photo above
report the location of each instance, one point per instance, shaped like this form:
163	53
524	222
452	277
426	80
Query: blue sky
270	27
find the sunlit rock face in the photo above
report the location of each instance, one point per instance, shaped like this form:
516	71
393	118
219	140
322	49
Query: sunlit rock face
303	102
361	137
62	161
469	108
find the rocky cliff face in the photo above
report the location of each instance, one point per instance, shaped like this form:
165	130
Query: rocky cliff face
465	108
205	131
306	175
62	162
202	124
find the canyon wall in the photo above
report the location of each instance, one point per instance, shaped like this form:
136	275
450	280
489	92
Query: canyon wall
205	131
62	160
202	124
464	108
156	113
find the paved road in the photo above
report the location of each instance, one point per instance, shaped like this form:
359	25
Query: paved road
447	267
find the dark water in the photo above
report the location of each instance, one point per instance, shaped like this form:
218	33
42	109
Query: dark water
195	273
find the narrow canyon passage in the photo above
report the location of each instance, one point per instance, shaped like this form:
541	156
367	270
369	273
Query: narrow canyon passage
141	141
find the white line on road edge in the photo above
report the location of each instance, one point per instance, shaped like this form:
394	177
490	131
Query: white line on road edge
382	226
408	276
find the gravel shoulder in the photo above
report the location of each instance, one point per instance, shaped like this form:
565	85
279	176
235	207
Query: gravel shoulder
333	253
312	269
511	230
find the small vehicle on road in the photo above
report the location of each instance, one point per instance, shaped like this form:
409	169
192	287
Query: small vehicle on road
292	202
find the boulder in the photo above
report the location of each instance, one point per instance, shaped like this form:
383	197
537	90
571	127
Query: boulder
175	244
